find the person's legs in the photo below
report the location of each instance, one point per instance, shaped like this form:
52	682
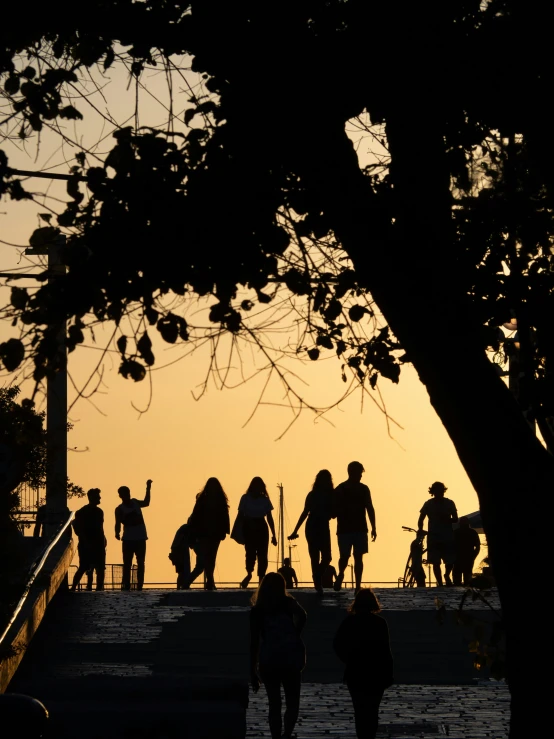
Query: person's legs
249	550
345	547
262	545
272	682
100	567
84	565
447	573
128	552
140	552
438	574
210	555
291	683
457	573
365	700
467	572
314	552
358	568
78	575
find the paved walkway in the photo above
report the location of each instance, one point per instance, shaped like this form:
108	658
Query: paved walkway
407	711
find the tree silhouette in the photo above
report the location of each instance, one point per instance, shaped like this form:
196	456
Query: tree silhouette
257	194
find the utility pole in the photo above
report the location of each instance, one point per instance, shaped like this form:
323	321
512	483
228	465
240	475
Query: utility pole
56	404
281	523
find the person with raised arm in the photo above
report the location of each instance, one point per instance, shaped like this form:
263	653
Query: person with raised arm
318	509
129	516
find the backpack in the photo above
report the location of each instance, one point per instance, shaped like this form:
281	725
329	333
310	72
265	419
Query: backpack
281	646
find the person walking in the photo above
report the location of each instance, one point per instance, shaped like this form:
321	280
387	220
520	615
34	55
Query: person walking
467	546
255	507
289	574
352	502
318	509
362	643
208	526
441	513
88	525
128	515
179	555
277	652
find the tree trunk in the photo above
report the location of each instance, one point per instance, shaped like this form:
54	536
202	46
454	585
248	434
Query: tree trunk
411	274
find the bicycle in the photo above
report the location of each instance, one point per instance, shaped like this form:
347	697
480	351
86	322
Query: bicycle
410	578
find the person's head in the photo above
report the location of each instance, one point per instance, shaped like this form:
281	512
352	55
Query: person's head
124	493
323	482
438	489
286	562
355	471
365	602
257	488
464	522
271	591
94	496
213	492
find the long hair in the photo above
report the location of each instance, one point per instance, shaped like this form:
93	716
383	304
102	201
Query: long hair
323	482
213	493
271	591
365	602
257	488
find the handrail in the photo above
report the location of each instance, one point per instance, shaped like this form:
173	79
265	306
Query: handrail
36	571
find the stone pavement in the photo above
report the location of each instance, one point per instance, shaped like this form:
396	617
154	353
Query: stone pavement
407	712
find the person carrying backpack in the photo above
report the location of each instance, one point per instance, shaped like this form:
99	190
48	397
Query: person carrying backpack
277	652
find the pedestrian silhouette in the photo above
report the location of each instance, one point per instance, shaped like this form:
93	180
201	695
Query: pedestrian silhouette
88	525
441	513
128	515
467	546
362	643
328	576
318	509
277	652
352	502
40	521
254	508
288	573
416	551
208	526
179	555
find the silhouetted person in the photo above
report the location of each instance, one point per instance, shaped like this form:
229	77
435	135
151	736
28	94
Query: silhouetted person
179	555
352	502
288	573
328	576
208	525
129	515
362	643
277	652
441	513
88	525
40	521
318	509
255	508
416	550
467	546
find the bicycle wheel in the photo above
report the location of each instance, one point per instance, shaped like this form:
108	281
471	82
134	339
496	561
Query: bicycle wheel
408	581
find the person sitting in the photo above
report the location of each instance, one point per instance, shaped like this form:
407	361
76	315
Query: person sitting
328	576
416	551
466	548
291	581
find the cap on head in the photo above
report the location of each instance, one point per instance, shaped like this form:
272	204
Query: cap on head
437	488
355	468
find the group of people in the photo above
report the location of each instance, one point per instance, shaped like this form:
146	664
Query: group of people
209	524
278	655
350	503
450	541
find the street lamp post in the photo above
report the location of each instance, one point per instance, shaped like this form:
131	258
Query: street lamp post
56	405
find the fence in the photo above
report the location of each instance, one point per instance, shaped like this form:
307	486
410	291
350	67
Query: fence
112	579
29	501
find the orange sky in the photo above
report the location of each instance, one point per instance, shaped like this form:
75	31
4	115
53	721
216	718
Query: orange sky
181	442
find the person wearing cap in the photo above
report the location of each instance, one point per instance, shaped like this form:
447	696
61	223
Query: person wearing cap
352	502
442	513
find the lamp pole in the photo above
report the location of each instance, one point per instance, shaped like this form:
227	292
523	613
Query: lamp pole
56	404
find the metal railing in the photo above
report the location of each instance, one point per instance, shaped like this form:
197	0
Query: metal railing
113	577
35	570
